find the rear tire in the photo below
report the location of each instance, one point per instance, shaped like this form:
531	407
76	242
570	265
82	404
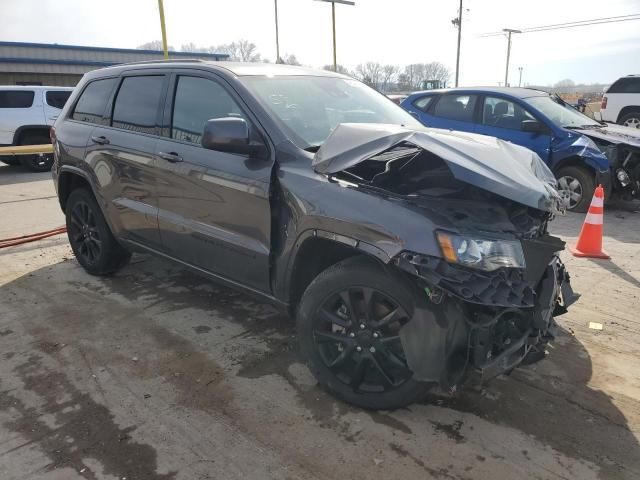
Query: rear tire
41	162
631	119
92	242
577	184
348	321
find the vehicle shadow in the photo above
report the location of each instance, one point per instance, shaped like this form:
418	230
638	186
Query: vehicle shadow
551	401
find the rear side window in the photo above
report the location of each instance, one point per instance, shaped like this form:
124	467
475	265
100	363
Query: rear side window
57	99
625	85
93	100
137	102
198	100
16	98
423	103
456	107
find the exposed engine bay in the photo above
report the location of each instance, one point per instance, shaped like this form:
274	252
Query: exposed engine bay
487	303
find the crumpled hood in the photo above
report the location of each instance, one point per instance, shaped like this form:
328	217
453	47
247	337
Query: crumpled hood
488	163
613	133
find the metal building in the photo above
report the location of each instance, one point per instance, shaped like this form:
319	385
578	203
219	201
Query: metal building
64	65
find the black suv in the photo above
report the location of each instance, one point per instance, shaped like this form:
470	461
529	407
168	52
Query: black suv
409	256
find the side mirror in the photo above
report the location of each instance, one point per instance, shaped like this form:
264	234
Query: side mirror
533	126
228	134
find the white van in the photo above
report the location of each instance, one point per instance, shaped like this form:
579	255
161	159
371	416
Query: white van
26	114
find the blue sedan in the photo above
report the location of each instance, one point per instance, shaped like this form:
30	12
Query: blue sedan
580	151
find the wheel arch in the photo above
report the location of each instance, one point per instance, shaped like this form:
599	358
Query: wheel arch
317	250
573	161
69	179
626	110
25	130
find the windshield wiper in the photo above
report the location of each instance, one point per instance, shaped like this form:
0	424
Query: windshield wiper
584	127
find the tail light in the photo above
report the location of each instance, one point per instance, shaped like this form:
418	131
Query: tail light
603	105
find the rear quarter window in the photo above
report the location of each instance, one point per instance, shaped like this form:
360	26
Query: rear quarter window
625	85
423	103
57	98
16	98
93	100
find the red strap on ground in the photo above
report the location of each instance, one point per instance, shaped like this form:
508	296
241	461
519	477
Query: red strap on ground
10	242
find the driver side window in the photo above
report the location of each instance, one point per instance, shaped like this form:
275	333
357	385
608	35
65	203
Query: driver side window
196	101
501	113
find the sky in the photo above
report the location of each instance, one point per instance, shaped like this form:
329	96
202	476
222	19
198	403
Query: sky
387	31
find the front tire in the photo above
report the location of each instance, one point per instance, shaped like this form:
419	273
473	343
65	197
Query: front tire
92	242
577	184
348	325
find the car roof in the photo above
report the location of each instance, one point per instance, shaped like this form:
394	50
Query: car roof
32	87
513	91
239	69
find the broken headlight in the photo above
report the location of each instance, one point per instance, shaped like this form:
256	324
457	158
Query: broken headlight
483	254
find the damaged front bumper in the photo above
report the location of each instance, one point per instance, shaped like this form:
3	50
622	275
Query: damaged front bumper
487	322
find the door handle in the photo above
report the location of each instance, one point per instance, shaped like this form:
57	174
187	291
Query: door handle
101	140
172	157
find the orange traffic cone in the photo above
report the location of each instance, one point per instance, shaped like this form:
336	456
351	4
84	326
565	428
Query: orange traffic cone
590	239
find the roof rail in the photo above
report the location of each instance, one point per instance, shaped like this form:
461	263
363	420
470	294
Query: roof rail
163	60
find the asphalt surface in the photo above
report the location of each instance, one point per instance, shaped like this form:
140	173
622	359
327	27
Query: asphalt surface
156	373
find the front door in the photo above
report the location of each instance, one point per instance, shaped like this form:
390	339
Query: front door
503	118
214	211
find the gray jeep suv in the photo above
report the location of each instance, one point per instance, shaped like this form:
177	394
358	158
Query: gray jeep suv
410	256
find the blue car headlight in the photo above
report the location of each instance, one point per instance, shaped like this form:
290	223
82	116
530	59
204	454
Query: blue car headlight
483	254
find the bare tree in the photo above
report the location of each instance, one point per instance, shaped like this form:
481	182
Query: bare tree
436	71
247	51
153	45
192	47
289	59
369	73
416	74
388	76
565	83
341	69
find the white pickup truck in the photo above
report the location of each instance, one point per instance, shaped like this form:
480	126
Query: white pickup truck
621	102
26	114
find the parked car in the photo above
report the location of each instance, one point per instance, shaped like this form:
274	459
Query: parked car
406	256
621	102
26	114
580	151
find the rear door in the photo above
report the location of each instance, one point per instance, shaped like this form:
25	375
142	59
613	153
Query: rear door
122	155
502	118
454	111
214	210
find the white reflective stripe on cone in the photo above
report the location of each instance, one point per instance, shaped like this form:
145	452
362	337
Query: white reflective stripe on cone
594	218
597	202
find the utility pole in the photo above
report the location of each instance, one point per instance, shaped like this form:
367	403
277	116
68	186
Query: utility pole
333	20
520	79
458	23
509	31
277	39
164	30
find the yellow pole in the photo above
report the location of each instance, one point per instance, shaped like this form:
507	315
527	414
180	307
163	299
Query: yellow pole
333	18
164	30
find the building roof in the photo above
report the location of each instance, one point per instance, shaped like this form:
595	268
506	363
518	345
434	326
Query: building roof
513	91
59	46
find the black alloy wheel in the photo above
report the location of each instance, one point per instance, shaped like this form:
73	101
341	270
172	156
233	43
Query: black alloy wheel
84	234
357	336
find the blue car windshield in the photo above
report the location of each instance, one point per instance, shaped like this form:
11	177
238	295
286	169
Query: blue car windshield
310	107
560	114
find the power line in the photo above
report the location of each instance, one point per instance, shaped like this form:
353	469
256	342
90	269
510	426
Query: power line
579	23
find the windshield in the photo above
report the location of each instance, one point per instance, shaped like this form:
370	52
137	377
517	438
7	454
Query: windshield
559	113
310	107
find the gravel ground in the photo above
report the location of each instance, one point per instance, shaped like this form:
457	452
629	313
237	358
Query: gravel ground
157	374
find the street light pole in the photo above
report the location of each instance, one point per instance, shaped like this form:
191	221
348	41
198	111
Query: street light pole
277	38
333	20
459	25
520	79
506	72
